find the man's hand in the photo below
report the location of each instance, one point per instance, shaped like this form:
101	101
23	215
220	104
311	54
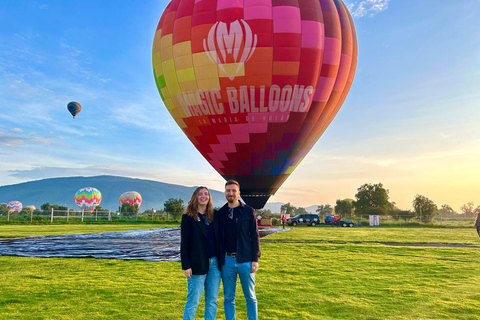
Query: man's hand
188	273
254	267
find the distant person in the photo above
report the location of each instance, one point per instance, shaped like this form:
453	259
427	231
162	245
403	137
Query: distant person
477	224
199	253
284	220
241	250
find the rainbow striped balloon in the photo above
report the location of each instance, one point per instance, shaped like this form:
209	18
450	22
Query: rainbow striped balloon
15	206
88	198
254	83
131	197
74	108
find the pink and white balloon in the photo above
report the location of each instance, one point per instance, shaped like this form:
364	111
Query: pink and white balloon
88	198
15	206
131	197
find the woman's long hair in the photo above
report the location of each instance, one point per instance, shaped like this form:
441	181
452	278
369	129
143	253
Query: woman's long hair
192	207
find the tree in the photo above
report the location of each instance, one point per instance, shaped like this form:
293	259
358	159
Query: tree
467	210
344	207
424	208
46	207
405	215
128	209
324	210
3	209
287	209
446	210
372	199
174	205
59	207
300	211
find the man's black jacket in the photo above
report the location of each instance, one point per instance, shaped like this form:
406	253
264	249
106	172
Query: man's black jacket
193	244
248	239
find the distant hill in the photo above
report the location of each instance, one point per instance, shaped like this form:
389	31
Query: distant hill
62	190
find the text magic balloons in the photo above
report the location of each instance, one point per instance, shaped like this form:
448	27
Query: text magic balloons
74	108
131	197
88	198
254	83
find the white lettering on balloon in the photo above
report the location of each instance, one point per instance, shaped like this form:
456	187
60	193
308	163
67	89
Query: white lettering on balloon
247	99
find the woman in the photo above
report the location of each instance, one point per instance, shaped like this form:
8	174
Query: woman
199	250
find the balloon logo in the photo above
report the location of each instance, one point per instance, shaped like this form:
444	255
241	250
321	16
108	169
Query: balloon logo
254	84
88	198
131	197
15	206
221	42
74	108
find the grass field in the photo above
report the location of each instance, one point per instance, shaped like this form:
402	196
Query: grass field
305	273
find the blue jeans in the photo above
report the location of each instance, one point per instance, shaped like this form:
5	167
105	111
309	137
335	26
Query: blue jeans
247	280
196	284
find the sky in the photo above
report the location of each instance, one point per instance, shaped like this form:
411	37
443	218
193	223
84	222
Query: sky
411	120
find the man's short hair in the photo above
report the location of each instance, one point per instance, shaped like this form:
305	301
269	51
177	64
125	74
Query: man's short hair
231	181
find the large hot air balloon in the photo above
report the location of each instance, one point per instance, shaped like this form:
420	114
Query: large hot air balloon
15	206
88	198
254	83
74	108
131	197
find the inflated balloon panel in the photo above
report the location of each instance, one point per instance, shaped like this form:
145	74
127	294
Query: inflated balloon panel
254	83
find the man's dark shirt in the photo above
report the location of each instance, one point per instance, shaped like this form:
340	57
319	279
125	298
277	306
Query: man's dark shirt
231	231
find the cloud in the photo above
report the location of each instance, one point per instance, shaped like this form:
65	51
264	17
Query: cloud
77	63
16	130
364	8
15	141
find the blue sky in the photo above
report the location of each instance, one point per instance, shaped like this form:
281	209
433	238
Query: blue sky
411	120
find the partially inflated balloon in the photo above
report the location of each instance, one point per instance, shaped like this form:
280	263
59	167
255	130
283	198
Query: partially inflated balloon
15	206
88	198
254	83
131	197
74	108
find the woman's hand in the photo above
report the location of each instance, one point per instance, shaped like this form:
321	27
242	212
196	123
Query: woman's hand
188	273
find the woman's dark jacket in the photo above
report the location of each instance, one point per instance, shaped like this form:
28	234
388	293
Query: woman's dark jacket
193	244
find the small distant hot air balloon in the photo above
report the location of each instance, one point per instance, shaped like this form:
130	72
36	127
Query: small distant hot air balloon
131	197
88	198
31	208
15	206
74	108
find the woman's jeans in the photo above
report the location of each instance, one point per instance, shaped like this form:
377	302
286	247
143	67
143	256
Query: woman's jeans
211	283
247	279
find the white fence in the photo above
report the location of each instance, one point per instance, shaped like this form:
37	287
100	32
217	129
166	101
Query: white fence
88	216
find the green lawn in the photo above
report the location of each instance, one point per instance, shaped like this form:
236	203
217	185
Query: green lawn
306	273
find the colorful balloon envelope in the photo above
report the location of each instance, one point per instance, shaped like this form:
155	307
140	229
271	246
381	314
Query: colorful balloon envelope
74	108
31	208
254	83
15	206
131	197
88	198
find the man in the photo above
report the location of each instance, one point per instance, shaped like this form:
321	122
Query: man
240	251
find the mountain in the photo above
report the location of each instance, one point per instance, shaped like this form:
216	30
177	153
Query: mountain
62	190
